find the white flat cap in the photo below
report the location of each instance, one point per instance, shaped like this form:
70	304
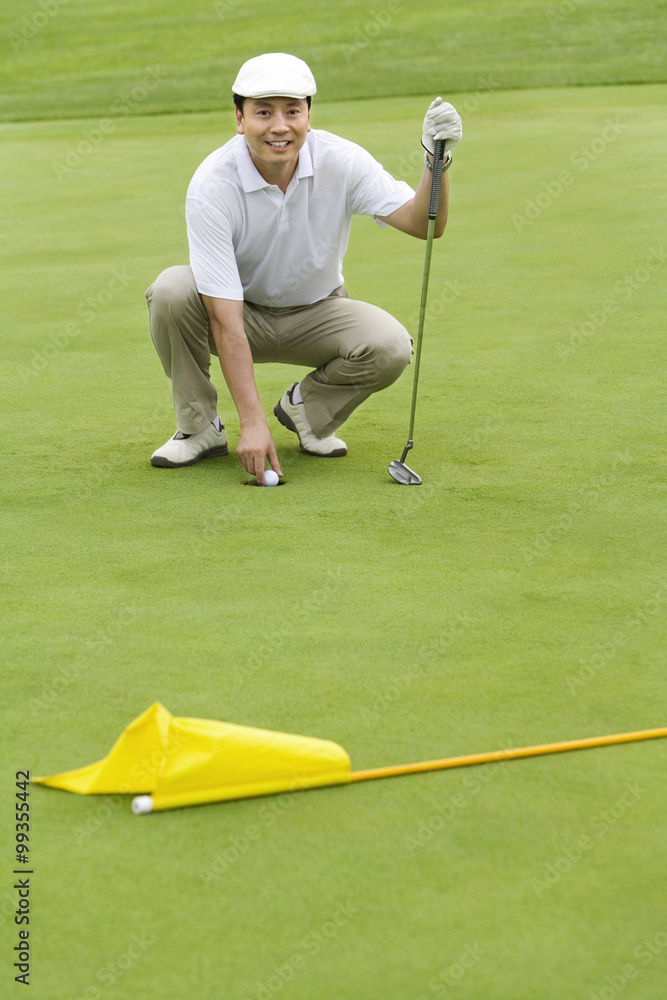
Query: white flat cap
275	74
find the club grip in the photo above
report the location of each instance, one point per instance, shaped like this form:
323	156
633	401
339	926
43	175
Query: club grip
436	180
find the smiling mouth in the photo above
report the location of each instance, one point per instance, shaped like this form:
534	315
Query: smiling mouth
278	144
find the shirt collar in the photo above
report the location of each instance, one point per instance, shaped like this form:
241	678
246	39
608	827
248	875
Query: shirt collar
250	177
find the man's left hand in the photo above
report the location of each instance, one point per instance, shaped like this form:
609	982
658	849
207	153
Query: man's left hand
442	121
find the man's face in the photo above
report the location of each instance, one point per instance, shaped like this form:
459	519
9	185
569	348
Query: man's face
275	129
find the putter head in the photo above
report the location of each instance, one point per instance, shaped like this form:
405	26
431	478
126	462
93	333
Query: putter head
403	474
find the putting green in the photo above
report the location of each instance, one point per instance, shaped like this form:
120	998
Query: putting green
517	597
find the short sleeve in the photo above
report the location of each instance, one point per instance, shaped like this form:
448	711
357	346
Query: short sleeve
373	190
212	256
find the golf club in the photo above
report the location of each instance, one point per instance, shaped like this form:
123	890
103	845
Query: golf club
398	470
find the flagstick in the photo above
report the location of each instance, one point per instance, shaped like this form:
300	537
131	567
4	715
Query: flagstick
495	756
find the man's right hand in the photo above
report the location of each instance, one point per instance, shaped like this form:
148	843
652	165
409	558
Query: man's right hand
255	445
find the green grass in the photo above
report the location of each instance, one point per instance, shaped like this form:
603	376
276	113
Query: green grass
90	59
516	597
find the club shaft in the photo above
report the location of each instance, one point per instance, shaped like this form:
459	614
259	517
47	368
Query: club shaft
420	328
496	756
433	208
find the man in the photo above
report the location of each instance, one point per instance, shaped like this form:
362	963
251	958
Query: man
268	219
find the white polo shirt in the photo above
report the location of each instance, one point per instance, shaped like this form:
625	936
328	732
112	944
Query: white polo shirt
250	241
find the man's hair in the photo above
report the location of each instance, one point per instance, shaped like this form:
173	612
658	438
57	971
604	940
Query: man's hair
238	101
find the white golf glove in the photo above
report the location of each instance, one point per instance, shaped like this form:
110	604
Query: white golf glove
442	121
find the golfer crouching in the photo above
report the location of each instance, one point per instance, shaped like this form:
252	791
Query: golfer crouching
268	218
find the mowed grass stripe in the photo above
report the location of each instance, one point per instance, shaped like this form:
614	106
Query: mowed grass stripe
106	59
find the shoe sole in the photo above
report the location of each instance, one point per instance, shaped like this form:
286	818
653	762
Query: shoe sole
164	463
287	422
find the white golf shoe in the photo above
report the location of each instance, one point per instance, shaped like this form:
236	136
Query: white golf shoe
186	449
293	416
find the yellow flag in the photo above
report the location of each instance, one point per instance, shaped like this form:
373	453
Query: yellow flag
183	762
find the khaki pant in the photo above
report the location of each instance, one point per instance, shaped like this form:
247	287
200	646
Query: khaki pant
355	348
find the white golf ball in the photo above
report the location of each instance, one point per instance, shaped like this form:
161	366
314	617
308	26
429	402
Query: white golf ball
271	478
